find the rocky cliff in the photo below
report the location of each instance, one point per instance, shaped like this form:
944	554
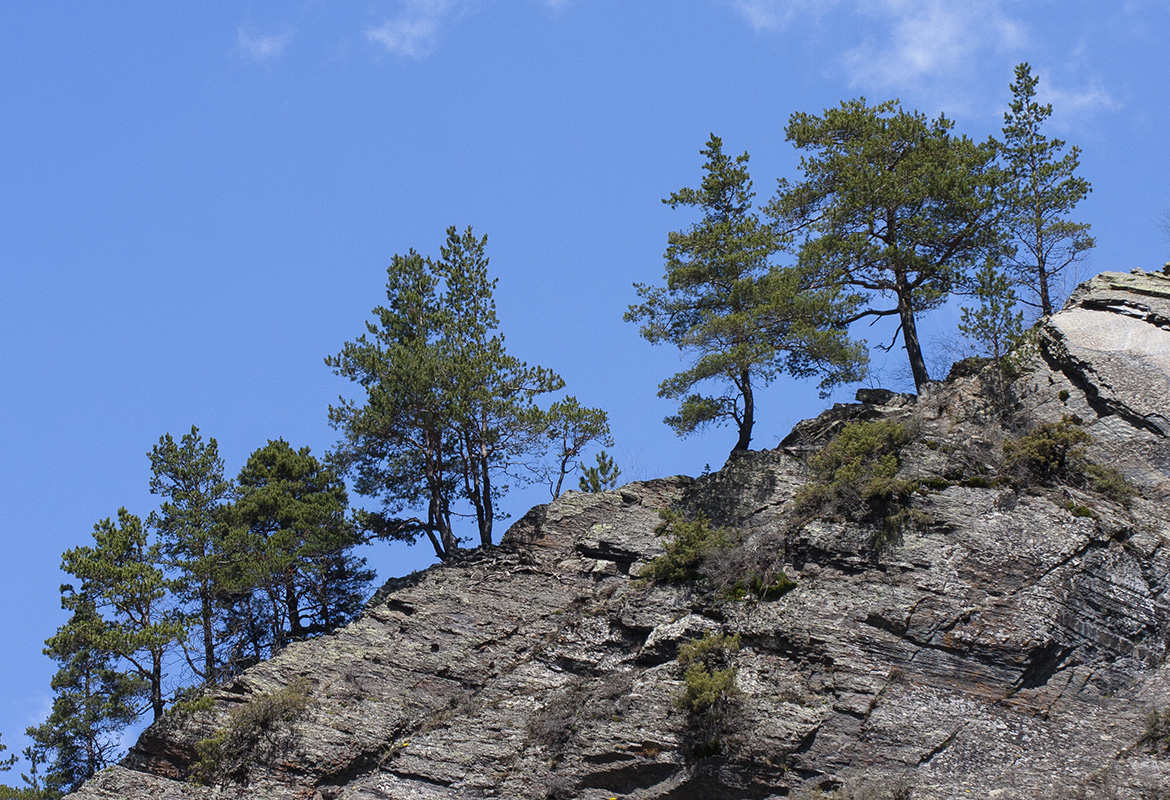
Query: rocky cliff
1010	643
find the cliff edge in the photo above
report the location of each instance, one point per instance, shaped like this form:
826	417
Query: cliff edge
1009	642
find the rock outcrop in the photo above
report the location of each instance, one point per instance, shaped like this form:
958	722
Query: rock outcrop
1012	645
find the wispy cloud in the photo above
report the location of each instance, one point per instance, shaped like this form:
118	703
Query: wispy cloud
263	47
414	33
1080	102
940	55
765	15
931	42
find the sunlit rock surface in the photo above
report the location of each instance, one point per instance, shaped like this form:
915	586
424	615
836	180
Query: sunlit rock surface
1011	648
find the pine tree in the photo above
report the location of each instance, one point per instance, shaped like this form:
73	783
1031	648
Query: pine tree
93	700
496	424
128	592
448	415
744	320
296	548
994	327
6	763
890	206
601	477
193	533
571	428
34	788
1042	189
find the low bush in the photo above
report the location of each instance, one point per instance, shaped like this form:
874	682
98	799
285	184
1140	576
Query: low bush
1051	453
709	677
577	704
688	543
774	589
1157	733
263	719
1110	483
891	786
188	702
855	477
1054	453
709	694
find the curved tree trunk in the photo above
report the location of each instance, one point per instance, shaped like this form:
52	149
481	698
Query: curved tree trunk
749	412
910	338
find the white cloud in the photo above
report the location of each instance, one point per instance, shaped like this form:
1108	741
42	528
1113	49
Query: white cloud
415	31
1089	100
932	41
263	47
766	15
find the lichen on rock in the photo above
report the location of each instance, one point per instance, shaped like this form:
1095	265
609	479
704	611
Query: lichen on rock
1013	647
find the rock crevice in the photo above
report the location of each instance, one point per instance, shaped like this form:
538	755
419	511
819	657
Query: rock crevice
1010	648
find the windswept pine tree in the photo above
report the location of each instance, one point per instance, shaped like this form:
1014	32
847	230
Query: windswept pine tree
892	206
741	319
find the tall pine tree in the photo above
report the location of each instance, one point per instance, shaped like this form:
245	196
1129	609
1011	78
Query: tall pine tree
892	206
496	423
93	700
296	554
1043	188
994	327
120	579
743	320
193	534
448	415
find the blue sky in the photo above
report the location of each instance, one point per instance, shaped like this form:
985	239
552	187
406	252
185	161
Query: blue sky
198	203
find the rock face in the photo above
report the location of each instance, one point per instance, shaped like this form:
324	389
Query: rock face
1011	646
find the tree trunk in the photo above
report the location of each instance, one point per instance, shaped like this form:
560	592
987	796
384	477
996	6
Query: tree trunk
156	678
749	412
205	617
910	336
1042	274
292	605
485	525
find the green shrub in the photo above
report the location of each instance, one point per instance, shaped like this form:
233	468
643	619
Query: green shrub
1110	483
897	524
855	477
705	688
708	695
1053	453
709	677
688	543
187	707
1157	733
752	585
264	718
860	463
780	586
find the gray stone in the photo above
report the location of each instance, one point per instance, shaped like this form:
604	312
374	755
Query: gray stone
1007	648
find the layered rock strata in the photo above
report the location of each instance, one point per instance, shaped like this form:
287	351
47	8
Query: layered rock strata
1012	646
